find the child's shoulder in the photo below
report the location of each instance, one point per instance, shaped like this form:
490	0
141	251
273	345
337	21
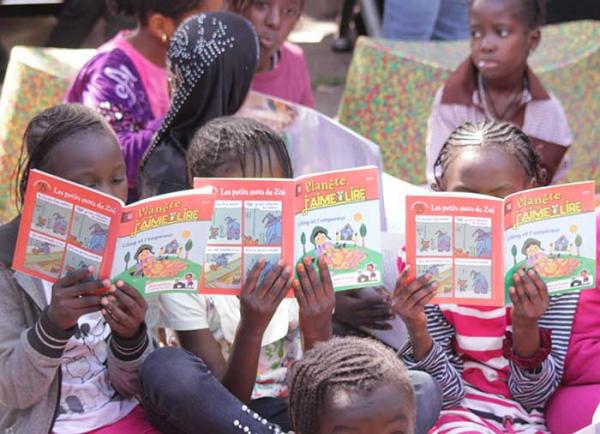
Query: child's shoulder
293	49
292	53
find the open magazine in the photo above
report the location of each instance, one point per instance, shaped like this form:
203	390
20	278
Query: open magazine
155	245
474	244
335	215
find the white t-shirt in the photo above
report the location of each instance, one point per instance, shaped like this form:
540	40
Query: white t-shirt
281	345
87	399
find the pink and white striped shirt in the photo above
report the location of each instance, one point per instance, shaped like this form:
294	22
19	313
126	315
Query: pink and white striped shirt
483	392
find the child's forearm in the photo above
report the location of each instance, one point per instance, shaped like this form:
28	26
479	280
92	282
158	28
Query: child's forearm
526	338
242	366
420	340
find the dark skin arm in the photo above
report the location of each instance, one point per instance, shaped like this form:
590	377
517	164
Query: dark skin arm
410	299
258	303
530	299
316	301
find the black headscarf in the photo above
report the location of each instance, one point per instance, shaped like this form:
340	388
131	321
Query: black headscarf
212	57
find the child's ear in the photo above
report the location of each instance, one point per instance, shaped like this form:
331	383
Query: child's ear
435	185
161	27
535	37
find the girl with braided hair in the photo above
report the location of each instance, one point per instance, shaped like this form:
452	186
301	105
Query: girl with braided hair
496	83
497	367
351	384
249	342
69	357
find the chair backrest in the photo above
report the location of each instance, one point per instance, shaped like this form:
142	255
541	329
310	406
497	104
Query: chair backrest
390	88
36	78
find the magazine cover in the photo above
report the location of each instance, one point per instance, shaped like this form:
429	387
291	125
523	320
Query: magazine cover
472	245
161	243
553	229
334	214
337	217
155	245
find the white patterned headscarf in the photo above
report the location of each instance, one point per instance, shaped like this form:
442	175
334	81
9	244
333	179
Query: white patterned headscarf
212	58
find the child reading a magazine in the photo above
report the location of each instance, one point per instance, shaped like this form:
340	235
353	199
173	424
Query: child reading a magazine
495	82
69	353
497	366
248	342
282	70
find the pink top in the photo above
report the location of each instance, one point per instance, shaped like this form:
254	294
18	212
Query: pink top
574	403
289	80
154	77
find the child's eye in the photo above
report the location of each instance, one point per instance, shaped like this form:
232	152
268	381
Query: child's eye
261	4
291	12
476	34
118	180
503	33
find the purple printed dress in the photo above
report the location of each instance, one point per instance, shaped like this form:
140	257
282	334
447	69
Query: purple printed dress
130	98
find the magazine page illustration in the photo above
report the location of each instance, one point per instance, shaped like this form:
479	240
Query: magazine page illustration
252	219
458	240
161	243
338	218
553	230
65	227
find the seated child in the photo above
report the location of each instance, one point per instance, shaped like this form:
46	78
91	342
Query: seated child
497	367
249	342
282	70
351	385
69	358
573	405
127	80
211	58
342	385
496	83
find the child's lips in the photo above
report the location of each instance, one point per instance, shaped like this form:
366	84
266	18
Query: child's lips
487	64
267	41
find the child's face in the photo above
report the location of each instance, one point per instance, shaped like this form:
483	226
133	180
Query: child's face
320	238
92	158
500	40
232	169
381	412
489	171
273	21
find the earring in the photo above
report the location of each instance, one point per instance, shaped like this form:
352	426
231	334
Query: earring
164	38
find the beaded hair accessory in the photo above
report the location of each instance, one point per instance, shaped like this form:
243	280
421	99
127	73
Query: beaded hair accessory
193	49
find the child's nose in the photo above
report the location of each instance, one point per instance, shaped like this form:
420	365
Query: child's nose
488	44
274	17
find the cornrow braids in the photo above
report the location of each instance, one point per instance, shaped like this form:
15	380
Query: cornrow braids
229	137
490	133
46	130
341	364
